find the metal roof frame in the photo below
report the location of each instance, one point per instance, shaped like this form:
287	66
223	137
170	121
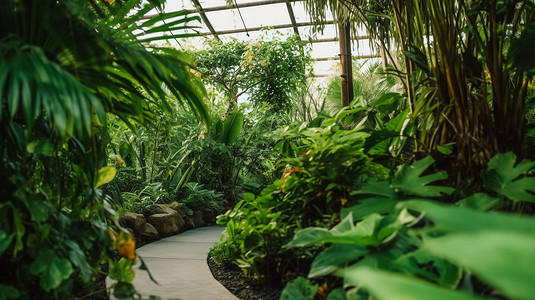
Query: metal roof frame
294	24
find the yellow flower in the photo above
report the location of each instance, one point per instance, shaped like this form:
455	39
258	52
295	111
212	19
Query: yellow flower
250	56
110	1
263	63
195	73
170	172
258	45
119	161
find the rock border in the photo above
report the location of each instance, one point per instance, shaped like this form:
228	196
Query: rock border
162	220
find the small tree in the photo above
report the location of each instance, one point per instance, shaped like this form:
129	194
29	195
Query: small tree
269	71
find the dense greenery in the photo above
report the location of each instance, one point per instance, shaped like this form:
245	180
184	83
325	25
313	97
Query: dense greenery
464	89
418	189
271	71
64	66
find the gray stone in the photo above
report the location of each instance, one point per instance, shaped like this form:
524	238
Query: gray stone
181	211
149	233
158	209
198	219
188	224
209	216
173	205
134	222
181	220
165	224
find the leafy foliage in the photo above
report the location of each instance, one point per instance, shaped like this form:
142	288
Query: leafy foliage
465	69
504	177
195	197
64	66
269	71
442	252
313	189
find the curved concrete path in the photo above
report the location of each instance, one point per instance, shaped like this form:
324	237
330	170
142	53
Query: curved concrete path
179	265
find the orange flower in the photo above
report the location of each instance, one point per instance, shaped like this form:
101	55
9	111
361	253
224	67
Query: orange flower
127	249
323	290
124	244
286	174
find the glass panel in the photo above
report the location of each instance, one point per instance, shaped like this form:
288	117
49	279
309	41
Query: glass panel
270	15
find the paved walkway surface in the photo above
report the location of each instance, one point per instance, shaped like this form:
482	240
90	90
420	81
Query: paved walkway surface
179	265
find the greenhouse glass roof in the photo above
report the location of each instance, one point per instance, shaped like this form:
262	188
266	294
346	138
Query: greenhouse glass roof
251	19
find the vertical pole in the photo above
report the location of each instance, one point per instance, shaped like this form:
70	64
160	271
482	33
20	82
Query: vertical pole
383	57
349	64
346	73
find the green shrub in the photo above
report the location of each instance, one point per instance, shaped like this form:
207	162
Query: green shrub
196	197
390	241
315	186
71	65
222	254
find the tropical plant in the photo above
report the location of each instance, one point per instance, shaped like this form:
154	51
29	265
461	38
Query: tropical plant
268	71
370	83
373	254
380	107
465	85
64	66
196	197
314	188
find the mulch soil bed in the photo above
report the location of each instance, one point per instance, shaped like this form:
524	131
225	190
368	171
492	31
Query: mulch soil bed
232	278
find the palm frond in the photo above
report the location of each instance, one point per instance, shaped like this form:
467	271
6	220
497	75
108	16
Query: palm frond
32	85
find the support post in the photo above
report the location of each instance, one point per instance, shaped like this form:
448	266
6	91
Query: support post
346	72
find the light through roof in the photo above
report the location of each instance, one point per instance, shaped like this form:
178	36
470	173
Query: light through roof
271	16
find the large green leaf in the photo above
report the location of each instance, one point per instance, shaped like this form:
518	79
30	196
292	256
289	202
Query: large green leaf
409	179
521	53
501	258
371	231
369	206
38	209
380	198
124	290
460	219
387	285
504	177
51	269
423	264
231	128
497	247
335	256
479	201
299	289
